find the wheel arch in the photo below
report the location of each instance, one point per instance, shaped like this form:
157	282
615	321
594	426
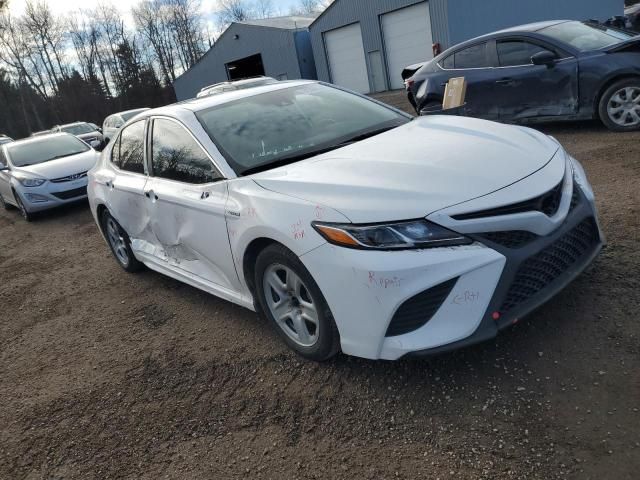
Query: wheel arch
250	256
605	86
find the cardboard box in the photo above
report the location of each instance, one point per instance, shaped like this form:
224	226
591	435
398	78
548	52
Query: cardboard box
454	93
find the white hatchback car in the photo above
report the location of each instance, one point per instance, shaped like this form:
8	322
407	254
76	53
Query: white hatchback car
349	224
43	172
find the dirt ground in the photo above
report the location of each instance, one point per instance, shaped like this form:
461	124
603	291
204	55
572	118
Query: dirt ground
105	374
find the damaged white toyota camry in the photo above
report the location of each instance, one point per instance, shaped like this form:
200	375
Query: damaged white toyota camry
349	224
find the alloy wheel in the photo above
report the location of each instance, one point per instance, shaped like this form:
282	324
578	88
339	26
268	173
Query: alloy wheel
117	241
624	107
291	304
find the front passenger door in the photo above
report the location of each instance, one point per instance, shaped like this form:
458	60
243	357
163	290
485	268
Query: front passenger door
186	202
527	91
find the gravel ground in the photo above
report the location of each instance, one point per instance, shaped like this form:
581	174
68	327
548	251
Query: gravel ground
104	374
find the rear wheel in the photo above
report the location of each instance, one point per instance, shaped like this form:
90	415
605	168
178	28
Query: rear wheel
619	106
294	304
119	243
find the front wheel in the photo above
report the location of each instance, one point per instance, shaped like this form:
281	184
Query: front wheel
619	106
23	210
120	243
294	304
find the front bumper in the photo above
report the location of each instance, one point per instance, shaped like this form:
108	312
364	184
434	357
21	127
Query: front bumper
52	195
492	291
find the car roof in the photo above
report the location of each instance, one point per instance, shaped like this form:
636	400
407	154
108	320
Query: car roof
72	124
526	28
197	104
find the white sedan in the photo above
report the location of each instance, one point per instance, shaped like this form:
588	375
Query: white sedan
43	172
349	224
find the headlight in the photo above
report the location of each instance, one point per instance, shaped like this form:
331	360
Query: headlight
391	236
29	181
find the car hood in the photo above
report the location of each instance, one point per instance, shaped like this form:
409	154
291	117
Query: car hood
62	167
413	170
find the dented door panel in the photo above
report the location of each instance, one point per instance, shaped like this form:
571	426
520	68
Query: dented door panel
538	91
189	230
125	196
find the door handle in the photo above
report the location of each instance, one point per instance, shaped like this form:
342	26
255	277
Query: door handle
108	184
204	195
505	81
151	194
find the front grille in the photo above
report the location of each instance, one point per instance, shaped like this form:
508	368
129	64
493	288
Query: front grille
418	310
537	272
69	178
76	192
547	203
510	239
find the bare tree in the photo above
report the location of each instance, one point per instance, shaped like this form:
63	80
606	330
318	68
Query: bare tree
310	7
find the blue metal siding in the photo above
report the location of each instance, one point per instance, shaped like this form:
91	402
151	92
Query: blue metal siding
471	18
306	60
277	47
367	13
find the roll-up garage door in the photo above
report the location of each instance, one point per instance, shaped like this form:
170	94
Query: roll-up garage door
345	53
407	39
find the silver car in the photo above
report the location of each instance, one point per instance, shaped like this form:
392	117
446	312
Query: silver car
113	122
86	132
44	172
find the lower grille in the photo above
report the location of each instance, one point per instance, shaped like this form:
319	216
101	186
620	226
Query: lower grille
537	272
510	239
418	310
76	192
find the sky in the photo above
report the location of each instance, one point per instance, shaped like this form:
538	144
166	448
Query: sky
62	7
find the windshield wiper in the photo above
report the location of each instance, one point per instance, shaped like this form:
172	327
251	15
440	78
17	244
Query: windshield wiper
365	135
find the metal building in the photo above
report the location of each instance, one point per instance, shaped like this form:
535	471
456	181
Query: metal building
277	47
365	44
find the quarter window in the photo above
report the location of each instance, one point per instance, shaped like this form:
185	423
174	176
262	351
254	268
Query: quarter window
449	62
514	53
177	156
128	151
472	57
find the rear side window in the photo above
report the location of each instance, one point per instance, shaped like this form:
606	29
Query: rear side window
128	151
177	156
514	53
472	57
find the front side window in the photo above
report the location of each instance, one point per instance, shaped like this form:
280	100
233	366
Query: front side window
177	156
41	150
585	36
472	57
513	53
128	151
286	125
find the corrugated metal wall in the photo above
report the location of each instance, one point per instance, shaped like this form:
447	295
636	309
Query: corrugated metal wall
367	12
470	18
277	47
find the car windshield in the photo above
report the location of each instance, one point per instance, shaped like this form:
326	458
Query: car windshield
78	129
269	129
43	150
127	115
585	36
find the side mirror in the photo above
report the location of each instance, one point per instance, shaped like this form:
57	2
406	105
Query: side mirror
544	58
100	129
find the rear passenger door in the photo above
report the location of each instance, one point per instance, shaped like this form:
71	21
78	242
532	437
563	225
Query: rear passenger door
186	200
474	63
525	90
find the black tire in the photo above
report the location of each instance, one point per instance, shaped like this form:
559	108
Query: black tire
327	343
610	121
130	263
4	204
24	213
